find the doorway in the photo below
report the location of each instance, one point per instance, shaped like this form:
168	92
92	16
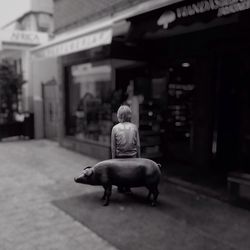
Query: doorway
234	109
50	109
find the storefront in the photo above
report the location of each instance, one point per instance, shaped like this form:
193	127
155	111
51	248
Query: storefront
194	84
57	72
185	66
88	90
91	99
83	67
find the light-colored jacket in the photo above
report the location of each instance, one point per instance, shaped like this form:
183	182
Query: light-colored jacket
125	140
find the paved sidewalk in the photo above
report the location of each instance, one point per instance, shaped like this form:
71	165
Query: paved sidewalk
30	171
35	173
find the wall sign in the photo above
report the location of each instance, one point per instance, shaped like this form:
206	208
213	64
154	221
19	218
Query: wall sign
23	37
221	7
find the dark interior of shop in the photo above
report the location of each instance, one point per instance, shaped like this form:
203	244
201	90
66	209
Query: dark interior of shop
194	94
205	104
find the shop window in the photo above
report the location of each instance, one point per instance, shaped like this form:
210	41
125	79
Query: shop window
90	112
145	95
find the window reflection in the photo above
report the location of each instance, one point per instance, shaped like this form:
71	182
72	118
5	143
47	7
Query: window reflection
90	113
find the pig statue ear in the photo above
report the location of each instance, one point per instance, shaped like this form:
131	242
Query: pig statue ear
88	172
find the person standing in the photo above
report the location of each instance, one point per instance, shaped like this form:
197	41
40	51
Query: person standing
125	140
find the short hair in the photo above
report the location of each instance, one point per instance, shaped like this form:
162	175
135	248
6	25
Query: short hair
124	114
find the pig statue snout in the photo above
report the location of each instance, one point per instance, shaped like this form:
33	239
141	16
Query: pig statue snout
85	176
79	179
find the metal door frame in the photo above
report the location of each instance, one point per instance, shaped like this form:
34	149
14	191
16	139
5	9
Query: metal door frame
51	82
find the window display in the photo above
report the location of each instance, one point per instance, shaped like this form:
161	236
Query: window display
90	111
144	95
151	128
180	110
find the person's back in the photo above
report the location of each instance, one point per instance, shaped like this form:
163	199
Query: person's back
125	141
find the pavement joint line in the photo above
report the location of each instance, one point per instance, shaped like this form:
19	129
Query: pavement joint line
87	229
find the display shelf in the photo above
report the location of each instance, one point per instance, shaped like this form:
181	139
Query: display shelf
152	155
150	118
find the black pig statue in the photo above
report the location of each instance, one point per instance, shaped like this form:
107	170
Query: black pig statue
129	172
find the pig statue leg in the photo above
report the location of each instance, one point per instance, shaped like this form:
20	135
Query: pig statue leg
107	194
155	195
149	195
104	195
153	190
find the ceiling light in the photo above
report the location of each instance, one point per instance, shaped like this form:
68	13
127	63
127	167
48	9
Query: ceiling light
185	65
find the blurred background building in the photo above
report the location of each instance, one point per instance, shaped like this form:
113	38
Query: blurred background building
182	65
26	31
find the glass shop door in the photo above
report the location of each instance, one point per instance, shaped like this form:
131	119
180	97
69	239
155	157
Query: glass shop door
180	112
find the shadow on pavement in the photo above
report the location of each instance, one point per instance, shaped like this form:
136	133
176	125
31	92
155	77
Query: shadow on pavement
179	221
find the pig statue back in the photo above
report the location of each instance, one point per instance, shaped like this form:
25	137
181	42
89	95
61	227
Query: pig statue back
131	172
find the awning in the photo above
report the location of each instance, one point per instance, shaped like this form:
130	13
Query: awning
96	34
74	44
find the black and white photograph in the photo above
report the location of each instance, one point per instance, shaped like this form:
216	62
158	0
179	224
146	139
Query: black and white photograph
125	125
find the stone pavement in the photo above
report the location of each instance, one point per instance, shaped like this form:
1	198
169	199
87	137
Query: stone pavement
35	173
30	171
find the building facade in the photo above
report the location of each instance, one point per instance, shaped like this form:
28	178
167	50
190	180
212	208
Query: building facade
31	29
182	66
